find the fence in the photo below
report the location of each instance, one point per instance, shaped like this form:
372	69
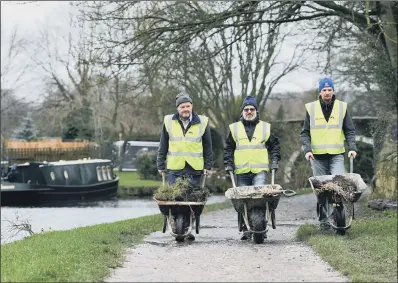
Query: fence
22	155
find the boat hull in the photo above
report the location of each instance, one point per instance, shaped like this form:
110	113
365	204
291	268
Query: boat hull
30	195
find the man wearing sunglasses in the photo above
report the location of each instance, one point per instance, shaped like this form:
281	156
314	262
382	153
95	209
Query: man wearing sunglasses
248	146
327	124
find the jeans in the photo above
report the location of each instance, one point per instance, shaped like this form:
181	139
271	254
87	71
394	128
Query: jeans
251	179
332	166
194	179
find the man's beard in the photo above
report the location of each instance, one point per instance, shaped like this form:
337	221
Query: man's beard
252	118
185	118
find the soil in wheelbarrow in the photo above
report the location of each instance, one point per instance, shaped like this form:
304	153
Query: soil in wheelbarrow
342	185
181	190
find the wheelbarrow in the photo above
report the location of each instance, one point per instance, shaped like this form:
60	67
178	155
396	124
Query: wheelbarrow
180	216
256	206
336	195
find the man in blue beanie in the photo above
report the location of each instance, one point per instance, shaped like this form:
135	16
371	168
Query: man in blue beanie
327	124
247	148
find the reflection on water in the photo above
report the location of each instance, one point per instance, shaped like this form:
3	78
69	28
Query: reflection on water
79	214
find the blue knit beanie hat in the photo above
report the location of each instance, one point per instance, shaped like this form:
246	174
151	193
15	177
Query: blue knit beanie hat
325	82
250	100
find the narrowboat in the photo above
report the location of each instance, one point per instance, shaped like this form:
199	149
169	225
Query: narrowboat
38	183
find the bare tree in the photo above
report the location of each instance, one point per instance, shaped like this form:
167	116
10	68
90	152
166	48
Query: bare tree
213	80
18	225
13	65
14	70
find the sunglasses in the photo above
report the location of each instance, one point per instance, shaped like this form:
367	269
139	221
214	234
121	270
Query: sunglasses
249	109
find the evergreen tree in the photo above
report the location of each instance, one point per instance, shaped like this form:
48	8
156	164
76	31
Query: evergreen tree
27	131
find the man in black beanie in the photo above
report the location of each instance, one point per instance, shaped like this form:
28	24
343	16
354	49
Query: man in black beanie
247	148
185	143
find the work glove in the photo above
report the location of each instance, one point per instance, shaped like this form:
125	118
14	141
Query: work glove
274	165
352	153
161	171
206	172
229	169
309	155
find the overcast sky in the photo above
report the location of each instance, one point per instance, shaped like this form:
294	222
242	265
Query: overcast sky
30	18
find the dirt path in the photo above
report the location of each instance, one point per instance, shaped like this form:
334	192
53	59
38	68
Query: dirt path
218	254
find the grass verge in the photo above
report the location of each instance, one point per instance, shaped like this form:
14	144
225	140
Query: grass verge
368	253
80	255
132	179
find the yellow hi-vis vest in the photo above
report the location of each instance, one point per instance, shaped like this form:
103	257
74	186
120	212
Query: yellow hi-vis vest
250	156
186	148
327	137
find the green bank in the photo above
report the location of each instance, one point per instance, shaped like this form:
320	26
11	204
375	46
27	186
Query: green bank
79	255
368	253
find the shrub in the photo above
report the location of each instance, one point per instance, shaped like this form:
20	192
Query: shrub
146	166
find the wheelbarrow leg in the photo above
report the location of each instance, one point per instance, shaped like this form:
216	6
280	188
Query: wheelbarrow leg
353	210
197	223
164	223
240	222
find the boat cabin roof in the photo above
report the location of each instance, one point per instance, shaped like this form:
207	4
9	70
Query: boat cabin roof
80	161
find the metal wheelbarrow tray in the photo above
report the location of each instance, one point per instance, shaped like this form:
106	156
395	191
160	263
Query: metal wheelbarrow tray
336	187
245	198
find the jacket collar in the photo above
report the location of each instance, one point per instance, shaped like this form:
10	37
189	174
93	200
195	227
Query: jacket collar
195	118
323	103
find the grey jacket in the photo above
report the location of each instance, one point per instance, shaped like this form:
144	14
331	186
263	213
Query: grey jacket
164	148
348	129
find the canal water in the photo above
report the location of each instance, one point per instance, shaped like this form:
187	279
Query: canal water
78	215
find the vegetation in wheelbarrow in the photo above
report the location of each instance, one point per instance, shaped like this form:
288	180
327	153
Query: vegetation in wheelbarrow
342	185
181	190
254	191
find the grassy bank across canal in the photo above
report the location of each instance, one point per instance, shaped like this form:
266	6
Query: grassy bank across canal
367	253
130	185
80	255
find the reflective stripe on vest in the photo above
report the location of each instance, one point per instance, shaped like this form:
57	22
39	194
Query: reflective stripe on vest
186	148
250	156
327	136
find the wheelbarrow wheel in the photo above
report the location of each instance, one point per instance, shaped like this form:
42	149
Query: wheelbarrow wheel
339	218
179	226
257	220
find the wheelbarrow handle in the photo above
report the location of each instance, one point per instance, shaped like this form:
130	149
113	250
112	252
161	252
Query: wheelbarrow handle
203	181
163	179
272	176
232	179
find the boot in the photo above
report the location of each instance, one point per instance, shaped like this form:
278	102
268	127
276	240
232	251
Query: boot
246	234
191	237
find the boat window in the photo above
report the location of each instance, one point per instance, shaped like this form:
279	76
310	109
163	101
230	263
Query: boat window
66	174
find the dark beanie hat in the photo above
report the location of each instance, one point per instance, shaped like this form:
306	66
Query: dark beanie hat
250	100
182	97
325	82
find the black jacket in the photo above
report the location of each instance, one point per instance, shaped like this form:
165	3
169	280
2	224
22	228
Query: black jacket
272	144
164	148
348	129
